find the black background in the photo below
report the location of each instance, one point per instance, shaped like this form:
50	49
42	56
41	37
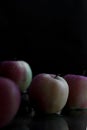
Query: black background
49	35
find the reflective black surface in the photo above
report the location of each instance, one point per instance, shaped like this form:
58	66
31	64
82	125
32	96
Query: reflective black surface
74	120
53	122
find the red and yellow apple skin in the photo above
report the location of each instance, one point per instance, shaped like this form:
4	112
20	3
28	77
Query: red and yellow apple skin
48	93
10	99
18	71
77	91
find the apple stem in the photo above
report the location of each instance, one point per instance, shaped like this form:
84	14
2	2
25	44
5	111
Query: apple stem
57	75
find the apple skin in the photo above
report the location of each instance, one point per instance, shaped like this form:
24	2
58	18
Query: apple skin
77	91
18	71
48	93
10	98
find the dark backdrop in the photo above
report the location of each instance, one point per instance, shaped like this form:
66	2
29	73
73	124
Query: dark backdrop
50	35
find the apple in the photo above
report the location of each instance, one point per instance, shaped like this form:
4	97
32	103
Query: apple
18	71
77	91
48	93
10	98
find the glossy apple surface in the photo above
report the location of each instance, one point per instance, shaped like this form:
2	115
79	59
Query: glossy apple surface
10	99
18	71
77	91
48	93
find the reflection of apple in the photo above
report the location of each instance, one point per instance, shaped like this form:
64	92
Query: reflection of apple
77	120
77	91
48	93
53	122
18	71
10	99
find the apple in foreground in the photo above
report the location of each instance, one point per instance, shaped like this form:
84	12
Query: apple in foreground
10	99
48	93
18	71
77	91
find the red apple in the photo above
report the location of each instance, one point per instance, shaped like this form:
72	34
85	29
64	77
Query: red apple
48	93
77	91
10	99
18	71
